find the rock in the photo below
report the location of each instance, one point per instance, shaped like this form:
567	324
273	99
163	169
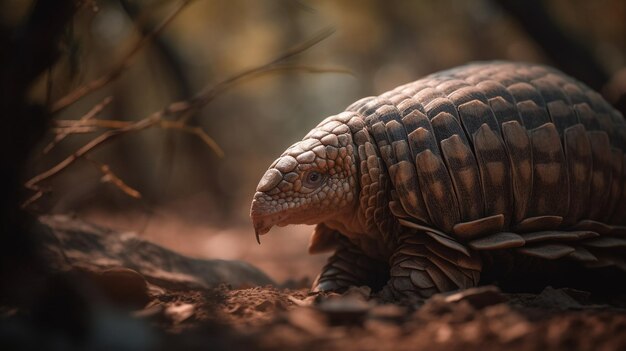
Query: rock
344	310
479	297
265	305
71	243
557	299
150	312
306	302
437	307
123	287
507	324
178	313
238	310
580	296
388	313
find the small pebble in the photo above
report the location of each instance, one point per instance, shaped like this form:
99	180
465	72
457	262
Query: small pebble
123	287
344	310
479	297
178	313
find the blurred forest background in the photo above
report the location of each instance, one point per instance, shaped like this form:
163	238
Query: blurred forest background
178	191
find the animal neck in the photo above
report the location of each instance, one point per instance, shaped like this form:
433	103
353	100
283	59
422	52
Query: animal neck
371	220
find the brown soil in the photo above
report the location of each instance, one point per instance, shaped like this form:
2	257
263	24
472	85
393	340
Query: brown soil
117	291
285	319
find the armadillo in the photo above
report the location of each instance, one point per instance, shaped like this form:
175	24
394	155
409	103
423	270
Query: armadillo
423	187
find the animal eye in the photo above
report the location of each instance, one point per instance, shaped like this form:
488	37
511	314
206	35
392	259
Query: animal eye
313	179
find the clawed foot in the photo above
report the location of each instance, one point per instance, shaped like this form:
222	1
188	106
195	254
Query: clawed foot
418	269
421	267
347	267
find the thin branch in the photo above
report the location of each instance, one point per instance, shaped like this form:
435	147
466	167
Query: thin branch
97	141
78	127
117	70
36	196
300	48
179	110
191	106
95	123
71	130
209	93
108	176
49	82
197	131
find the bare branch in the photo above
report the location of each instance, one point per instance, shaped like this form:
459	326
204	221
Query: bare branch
36	196
94	123
302	47
197	131
208	93
117	70
62	134
109	177
70	130
97	141
49	82
180	111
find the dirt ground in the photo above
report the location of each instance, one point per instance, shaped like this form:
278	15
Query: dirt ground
124	293
268	318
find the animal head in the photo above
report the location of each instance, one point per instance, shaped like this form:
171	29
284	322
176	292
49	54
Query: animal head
313	181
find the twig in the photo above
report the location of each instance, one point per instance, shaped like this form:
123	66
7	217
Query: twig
95	111
180	111
49	87
97	141
301	5
109	177
36	196
73	130
197	131
210	92
95	123
117	70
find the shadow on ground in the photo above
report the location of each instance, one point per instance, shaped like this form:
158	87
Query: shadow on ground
116	291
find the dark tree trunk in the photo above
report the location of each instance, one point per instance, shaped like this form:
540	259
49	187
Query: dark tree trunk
568	54
26	52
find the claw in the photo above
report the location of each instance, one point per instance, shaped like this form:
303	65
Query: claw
261	225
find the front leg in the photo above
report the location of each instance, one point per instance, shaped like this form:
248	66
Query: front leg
422	266
349	266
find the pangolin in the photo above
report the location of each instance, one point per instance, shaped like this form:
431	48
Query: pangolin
424	187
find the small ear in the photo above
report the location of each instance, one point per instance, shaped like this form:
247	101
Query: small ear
323	239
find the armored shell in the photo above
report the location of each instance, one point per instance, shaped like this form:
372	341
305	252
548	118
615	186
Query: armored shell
487	156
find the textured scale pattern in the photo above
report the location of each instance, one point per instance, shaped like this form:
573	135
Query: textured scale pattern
512	139
488	156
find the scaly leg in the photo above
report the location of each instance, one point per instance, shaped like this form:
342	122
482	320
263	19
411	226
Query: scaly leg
349	266
422	267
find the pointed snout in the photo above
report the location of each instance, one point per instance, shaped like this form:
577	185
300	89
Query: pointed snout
260	214
267	208
262	211
263	214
